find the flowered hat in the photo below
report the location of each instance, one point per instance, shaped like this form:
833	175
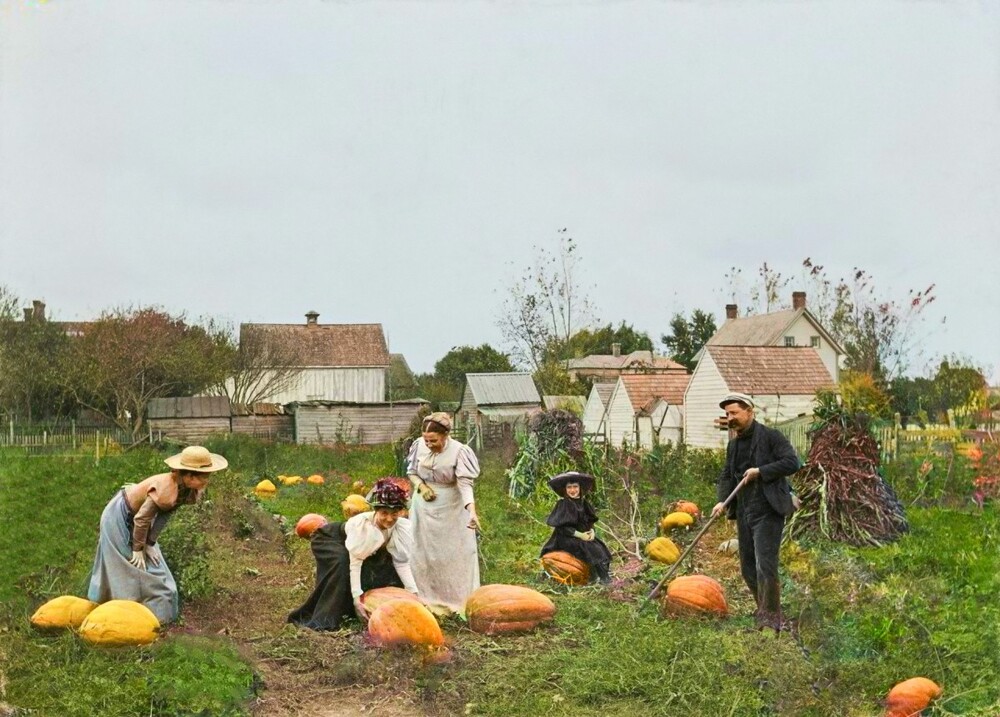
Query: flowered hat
387	494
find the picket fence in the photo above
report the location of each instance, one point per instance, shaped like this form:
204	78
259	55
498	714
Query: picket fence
890	438
65	441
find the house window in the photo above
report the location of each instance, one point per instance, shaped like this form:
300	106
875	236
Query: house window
814	341
789	341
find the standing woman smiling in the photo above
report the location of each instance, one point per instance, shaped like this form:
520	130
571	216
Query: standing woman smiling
443	513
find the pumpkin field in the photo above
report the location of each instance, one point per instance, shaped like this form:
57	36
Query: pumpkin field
864	618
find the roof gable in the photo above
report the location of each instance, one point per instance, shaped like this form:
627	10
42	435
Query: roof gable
497	389
329	345
636	359
766	329
643	388
604	391
764	370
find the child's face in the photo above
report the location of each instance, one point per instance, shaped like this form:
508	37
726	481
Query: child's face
572	490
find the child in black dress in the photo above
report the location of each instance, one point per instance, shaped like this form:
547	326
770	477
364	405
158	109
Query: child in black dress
572	521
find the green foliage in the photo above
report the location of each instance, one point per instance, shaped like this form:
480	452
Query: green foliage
461	360
687	336
957	386
199	677
601	340
861	394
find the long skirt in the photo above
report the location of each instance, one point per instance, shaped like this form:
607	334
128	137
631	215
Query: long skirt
331	600
113	577
593	552
445	558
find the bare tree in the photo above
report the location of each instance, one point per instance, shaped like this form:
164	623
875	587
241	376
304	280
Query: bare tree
261	366
545	306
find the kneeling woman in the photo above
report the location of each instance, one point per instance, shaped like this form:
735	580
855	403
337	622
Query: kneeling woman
572	520
371	550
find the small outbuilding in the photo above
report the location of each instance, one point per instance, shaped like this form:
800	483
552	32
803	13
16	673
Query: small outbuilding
646	409
596	409
333	422
189	419
496	403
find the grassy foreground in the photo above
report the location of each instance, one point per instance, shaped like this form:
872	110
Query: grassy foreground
867	617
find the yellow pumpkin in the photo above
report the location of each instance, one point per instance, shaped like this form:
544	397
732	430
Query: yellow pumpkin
663	550
404	622
315	479
496	609
910	697
695	594
565	568
120	622
290	480
674	520
265	489
62	612
354	504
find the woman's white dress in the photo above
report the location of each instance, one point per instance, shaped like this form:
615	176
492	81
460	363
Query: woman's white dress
445	555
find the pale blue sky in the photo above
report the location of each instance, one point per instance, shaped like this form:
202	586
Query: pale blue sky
256	160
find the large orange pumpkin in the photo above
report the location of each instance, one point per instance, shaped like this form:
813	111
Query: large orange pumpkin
308	524
686	506
565	568
694	594
910	697
404	622
496	609
376	597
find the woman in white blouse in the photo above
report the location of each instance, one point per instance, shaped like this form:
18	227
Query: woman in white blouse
371	550
443	513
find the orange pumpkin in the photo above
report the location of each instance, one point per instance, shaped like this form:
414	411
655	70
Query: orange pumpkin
686	506
315	479
910	697
308	524
497	609
695	594
404	622
376	597
565	568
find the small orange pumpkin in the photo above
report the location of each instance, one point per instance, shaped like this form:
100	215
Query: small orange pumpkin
686	506
910	697
308	524
315	479
497	609
404	622
565	568
376	597
694	594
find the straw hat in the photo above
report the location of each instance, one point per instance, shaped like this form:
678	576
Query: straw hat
198	459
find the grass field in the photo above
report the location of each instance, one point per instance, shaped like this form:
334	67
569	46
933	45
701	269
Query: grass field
867	617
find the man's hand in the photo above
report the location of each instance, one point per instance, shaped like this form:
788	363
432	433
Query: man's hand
138	559
751	473
717	508
426	492
360	610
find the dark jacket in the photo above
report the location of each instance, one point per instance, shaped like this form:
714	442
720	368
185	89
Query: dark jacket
771	452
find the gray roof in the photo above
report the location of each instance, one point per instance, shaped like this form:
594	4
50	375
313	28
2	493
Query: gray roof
188	407
498	389
765	329
604	391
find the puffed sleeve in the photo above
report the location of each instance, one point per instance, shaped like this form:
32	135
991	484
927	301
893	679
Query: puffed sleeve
466	471
400	547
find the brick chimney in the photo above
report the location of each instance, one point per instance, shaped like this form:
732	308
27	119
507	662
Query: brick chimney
616	349
731	311
27	313
312	318
798	300
38	310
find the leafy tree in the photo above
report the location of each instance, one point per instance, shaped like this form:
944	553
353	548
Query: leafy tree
862	394
912	398
552	379
586	342
30	354
687	336
545	306
402	382
129	356
437	391
470	359
959	387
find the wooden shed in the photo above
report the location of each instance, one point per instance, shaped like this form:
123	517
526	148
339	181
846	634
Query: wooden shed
494	404
190	419
646	409
596	409
332	422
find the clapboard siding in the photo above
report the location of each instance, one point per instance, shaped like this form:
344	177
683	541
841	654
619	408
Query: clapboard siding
593	413
357	385
273	427
352	423
701	406
620	417
189	430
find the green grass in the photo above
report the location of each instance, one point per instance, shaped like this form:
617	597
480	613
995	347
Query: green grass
925	605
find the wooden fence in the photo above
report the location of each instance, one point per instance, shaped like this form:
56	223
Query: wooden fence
891	439
66	440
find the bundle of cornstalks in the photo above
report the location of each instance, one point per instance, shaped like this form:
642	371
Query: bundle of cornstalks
843	496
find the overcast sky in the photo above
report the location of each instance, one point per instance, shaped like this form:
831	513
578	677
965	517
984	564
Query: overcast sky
396	162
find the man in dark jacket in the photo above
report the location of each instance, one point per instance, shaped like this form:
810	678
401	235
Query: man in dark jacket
765	458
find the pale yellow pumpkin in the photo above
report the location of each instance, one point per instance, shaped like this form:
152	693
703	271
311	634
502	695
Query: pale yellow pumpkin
678	519
663	550
354	504
120	622
265	489
65	611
